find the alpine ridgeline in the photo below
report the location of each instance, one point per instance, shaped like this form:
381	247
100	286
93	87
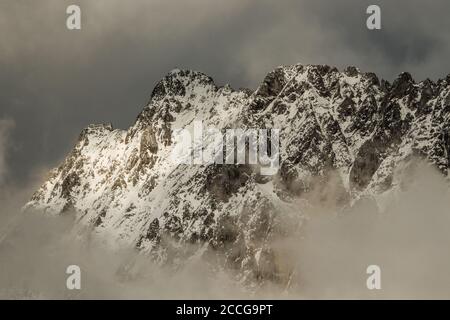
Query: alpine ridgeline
343	135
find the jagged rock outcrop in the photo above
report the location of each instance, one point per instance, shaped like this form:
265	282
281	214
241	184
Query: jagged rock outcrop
347	129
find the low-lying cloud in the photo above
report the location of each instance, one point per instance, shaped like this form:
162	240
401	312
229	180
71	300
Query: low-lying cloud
6	125
408	239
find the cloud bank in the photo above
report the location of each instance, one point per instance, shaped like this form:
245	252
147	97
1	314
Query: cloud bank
328	258
54	82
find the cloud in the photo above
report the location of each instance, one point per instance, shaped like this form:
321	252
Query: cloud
327	258
36	250
6	125
408	240
54	82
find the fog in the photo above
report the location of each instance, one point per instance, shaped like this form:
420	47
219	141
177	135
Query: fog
35	254
6	125
408	239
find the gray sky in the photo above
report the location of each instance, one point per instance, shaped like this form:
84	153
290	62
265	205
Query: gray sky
54	82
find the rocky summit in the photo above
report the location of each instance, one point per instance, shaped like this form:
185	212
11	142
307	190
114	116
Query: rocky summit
343	135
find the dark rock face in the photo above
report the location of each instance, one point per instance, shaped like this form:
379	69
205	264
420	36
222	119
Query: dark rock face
269	89
222	181
366	164
341	135
346	108
402	86
69	183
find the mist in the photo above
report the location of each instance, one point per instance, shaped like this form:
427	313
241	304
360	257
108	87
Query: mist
37	250
404	232
6	125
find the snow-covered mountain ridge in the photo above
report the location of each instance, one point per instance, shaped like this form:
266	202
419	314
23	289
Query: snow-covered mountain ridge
344	135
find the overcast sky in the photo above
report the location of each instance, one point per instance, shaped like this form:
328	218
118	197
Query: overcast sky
54	82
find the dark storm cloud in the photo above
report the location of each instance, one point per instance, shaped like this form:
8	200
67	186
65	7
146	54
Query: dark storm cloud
54	82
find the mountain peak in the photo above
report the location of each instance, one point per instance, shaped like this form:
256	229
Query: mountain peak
352	71
96	129
179	81
338	128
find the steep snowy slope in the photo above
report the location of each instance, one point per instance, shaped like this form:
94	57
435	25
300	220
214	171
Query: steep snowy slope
342	136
